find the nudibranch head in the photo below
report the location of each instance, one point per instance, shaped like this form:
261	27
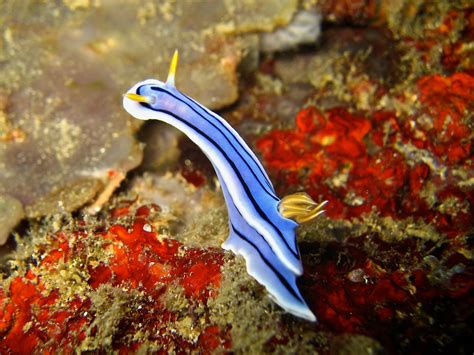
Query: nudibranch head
140	97
145	94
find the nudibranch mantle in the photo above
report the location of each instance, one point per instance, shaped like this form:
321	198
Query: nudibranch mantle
259	228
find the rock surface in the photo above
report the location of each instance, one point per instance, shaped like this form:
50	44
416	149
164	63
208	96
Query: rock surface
64	138
377	119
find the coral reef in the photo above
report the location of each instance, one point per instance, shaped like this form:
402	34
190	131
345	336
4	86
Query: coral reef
377	118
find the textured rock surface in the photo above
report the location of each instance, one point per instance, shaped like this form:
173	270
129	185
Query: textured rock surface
11	212
63	134
378	120
304	28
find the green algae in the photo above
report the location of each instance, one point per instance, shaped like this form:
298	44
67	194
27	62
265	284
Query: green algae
110	305
256	321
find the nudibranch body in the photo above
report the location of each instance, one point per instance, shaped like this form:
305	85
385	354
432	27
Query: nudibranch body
260	228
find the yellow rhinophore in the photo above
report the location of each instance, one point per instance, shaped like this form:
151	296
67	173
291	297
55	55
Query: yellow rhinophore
140	98
172	71
300	207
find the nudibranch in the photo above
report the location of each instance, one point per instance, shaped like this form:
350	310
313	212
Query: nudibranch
261	225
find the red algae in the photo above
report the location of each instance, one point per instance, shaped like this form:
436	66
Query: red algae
357	12
408	171
48	319
193	176
367	286
331	145
362	165
451	36
447	100
456	53
393	261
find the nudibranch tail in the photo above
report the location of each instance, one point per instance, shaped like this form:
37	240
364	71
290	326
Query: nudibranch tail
300	207
260	228
262	263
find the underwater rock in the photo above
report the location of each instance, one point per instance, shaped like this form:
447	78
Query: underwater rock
304	28
195	214
384	132
354	12
355	345
161	150
68	150
11	212
350	66
64	138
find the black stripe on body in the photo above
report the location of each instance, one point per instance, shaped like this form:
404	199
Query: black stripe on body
233	209
259	167
266	187
242	181
280	277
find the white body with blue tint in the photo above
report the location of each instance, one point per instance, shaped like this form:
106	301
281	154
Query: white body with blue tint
258	231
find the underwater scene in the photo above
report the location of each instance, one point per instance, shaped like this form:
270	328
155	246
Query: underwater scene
237	176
